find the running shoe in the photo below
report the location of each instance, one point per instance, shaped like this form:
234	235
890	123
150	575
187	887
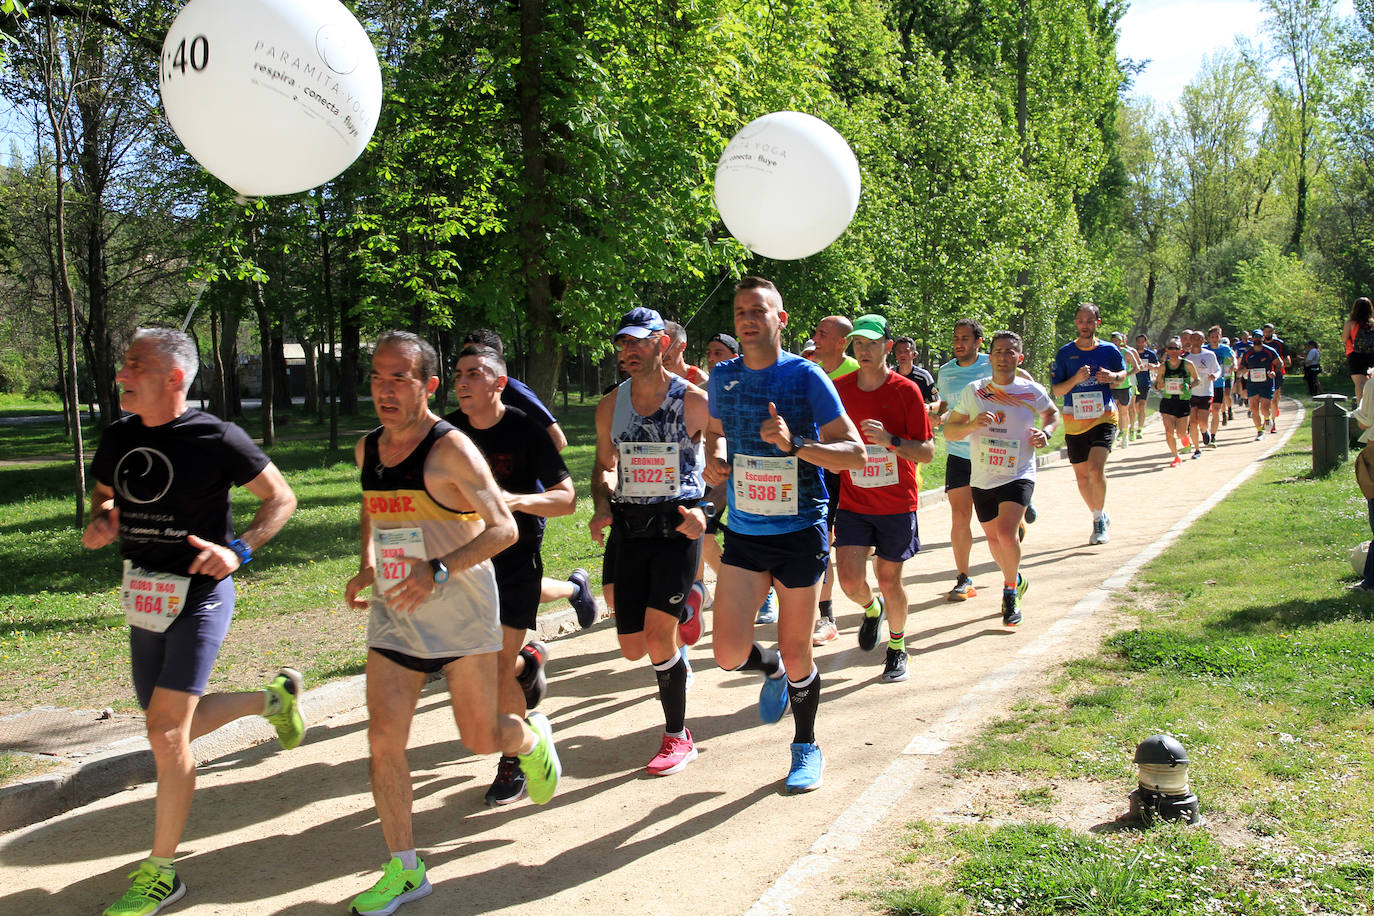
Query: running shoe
1138	433
1206	438
1011	608
768	613
1100	535
1121	441
868	630
1225	419
398	886
807	766
1212	443
963	589
1259	435
541	766
1197	453
773	698
509	785
826	632
1187	443
533	680
284	708
894	666
690	628
582	601
1273	427
1031	514
673	755
152	889
1176	462
1022	583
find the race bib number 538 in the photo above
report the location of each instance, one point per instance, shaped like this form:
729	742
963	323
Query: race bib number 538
765	486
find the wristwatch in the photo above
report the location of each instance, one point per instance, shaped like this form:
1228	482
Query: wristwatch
708	509
244	552
440	571
894	442
798	442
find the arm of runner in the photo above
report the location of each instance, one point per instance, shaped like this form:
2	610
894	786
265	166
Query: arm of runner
603	471
840	448
717	472
959	425
920	451
559	499
277	504
367	562
555	431
104	524
1059	389
1049	421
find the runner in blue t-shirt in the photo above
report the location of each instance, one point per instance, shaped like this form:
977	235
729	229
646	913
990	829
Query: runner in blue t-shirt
1226	359
1085	369
1149	362
776	421
968	365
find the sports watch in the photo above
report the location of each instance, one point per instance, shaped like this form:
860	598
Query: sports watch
440	571
244	552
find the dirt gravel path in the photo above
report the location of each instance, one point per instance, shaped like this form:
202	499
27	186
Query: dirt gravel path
294	832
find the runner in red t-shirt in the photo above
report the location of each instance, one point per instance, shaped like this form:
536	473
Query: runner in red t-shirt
878	503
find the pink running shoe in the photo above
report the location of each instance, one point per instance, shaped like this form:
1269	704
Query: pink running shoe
690	629
674	755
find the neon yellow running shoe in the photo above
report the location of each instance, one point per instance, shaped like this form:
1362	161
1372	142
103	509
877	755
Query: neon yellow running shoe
153	888
284	700
541	766
397	886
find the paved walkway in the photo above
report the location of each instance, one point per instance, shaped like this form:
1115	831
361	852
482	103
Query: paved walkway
294	832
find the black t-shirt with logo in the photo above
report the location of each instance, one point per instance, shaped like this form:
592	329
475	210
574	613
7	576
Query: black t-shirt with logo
523	460
173	480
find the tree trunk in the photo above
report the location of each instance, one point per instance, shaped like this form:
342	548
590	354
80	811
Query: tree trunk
219	394
229	359
312	381
95	175
281	381
348	365
269	429
55	118
70	409
330	360
545	349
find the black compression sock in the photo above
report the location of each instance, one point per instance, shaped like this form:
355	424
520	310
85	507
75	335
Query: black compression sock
672	693
806	698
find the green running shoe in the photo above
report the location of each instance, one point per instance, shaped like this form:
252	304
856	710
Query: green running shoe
396	887
284	693
540	765
1022	583
153	888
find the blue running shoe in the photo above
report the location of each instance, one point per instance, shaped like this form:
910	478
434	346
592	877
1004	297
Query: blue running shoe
582	601
807	766
773	698
769	612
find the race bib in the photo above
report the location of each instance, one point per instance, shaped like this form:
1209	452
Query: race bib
879	470
1088	405
152	600
1259	375
999	455
649	469
1173	385
765	486
390	546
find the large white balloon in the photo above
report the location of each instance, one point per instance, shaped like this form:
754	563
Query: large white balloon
787	185
270	96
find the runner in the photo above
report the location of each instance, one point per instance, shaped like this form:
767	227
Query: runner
831	340
1124	390
575	589
1084	371
535	486
162	480
1239	395
1260	365
878	503
1149	362
998	415
781	422
904	353
1174	377
1274	342
1226	361
647	488
968	365
720	348
673	360
434	605
1200	404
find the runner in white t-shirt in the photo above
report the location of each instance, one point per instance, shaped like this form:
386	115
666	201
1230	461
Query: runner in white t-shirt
998	416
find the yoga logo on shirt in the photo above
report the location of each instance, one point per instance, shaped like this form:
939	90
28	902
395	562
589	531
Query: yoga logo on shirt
143	475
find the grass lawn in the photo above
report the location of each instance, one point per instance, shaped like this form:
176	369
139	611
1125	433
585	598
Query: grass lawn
1248	648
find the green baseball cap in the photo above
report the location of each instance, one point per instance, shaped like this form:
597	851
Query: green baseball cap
873	327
